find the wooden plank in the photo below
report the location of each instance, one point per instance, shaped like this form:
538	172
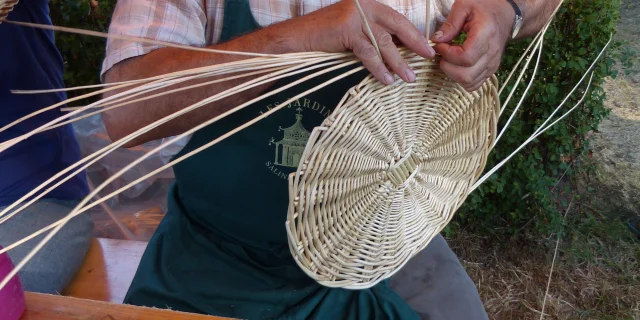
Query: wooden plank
107	271
141	219
54	307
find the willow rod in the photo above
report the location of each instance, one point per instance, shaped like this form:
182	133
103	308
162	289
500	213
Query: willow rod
543	128
115	104
160	43
104	184
122	141
535	40
158	80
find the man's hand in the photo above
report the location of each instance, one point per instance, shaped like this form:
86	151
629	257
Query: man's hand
488	25
339	27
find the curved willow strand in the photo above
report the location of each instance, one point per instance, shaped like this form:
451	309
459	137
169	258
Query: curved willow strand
524	94
104	184
114	106
107	149
540	34
173	162
542	129
533	137
102	85
160	43
157	81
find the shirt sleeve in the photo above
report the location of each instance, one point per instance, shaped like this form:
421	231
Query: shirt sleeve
177	21
440	10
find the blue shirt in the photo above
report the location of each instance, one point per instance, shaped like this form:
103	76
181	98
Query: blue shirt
31	61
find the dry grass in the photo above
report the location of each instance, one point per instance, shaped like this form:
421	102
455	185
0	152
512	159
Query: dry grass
629	32
596	275
615	147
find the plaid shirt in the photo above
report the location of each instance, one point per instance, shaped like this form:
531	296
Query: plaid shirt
199	22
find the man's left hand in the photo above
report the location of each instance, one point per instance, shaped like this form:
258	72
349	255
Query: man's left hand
488	25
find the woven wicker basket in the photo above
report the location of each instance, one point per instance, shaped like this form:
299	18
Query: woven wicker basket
385	173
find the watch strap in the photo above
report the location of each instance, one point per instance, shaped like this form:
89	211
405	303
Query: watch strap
518	19
516	8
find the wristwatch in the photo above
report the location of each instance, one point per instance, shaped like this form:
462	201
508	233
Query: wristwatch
518	23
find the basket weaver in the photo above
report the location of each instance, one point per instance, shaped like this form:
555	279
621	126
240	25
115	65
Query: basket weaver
378	179
385	172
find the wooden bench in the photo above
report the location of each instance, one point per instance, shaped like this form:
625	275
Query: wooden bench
107	271
99	287
53	307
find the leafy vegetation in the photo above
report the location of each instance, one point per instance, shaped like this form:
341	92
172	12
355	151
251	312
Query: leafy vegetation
82	55
523	193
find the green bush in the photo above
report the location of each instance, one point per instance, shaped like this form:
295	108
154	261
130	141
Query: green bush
82	55
522	191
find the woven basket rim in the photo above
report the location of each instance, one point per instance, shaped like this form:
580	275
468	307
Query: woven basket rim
309	241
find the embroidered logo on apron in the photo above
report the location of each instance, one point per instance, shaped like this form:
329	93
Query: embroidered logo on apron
290	148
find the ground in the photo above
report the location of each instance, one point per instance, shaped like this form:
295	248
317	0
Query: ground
597	271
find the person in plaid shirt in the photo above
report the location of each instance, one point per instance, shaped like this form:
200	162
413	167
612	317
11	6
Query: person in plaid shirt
222	247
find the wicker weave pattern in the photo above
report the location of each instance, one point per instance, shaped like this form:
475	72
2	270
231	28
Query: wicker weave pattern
5	7
385	173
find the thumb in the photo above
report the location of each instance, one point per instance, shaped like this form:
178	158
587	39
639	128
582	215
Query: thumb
454	24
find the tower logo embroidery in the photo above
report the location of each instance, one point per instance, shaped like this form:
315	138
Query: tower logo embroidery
290	148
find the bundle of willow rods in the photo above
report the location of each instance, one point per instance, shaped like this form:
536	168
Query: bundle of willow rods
416	150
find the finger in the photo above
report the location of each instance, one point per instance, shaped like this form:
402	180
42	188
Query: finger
474	87
478	82
479	37
491	69
454	24
467	77
398	25
368	54
391	56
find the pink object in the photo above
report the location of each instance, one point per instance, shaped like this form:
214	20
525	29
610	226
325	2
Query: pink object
12	303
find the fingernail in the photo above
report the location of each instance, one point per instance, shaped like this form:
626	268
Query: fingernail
438	35
431	51
388	79
429	47
410	75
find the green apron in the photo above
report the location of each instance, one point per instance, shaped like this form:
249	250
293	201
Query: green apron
222	247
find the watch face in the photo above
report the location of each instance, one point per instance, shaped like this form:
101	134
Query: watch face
517	26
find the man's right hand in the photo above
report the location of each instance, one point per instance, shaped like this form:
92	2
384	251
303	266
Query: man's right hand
339	28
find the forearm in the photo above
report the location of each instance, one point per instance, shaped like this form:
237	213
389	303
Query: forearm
535	14
127	119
